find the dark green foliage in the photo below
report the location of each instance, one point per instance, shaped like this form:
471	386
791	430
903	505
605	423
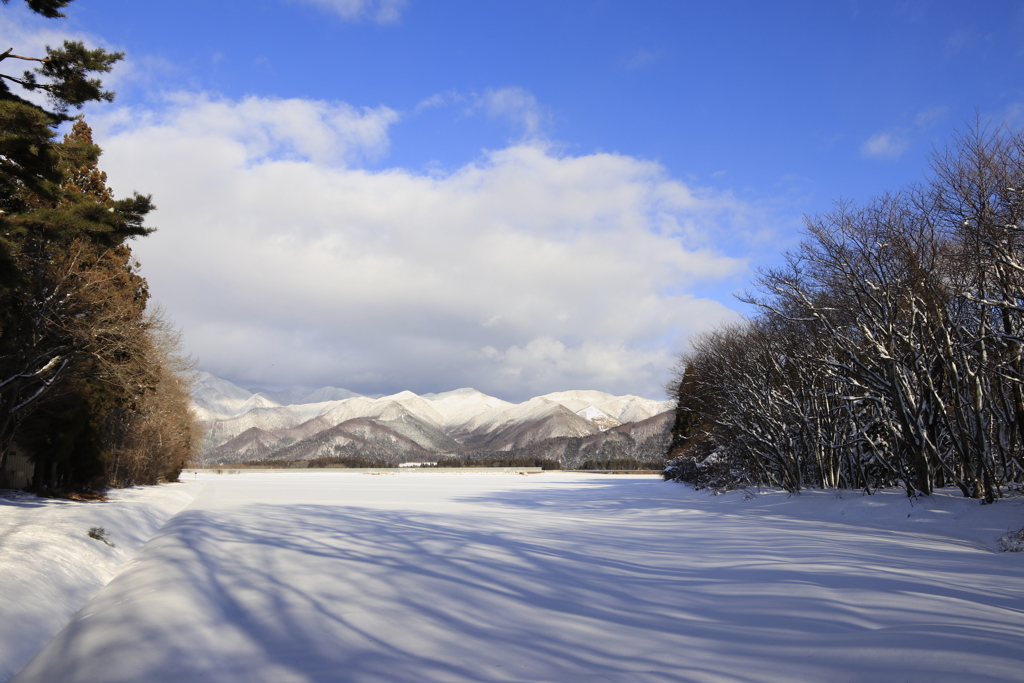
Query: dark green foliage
688	423
702	468
47	8
89	384
33	162
106	223
500	462
64	436
65	75
552	450
72	325
348	462
340	462
691	457
622	464
29	160
53	233
272	463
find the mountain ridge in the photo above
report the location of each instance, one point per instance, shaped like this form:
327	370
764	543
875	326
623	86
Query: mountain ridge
244	425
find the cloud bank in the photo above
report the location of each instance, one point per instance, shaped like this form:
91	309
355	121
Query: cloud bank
524	272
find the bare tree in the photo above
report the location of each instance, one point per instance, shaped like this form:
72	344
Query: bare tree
888	348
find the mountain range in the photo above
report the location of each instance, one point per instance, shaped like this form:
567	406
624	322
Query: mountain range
570	426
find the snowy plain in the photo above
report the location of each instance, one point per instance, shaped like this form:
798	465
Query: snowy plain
333	576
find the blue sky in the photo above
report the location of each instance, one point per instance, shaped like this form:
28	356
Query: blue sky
748	96
517	196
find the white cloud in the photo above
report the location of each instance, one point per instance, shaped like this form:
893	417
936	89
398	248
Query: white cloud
516	105
520	273
884	146
381	11
441	99
28	34
259	128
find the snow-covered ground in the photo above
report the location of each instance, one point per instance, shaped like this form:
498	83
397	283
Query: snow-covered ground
50	566
331	576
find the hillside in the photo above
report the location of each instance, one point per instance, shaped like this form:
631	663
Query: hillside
245	426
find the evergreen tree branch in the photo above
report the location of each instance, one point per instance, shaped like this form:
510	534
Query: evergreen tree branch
47	8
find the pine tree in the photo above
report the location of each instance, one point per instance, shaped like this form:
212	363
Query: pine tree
32	161
73	330
75	334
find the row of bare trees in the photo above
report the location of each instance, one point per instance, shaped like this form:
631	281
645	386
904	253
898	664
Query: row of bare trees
886	351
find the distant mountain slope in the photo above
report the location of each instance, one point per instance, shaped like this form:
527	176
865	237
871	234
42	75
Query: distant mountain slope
362	436
291	397
645	441
245	426
552	421
222	398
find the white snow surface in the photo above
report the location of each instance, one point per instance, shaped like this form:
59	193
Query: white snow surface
598	417
421	576
50	567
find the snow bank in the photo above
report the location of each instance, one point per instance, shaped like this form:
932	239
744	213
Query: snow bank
50	566
326	576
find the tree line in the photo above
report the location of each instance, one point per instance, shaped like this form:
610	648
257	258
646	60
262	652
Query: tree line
93	385
490	461
885	351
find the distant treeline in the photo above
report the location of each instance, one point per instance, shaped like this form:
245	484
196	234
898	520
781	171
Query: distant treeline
500	462
367	463
352	462
623	464
274	464
349	462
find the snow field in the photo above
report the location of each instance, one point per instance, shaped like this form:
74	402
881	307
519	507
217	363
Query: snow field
554	577
50	566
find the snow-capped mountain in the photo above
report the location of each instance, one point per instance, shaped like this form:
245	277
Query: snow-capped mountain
290	397
598	417
244	426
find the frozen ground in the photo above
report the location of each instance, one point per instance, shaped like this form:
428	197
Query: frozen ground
50	567
553	577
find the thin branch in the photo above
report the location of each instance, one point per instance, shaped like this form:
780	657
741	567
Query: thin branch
8	55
